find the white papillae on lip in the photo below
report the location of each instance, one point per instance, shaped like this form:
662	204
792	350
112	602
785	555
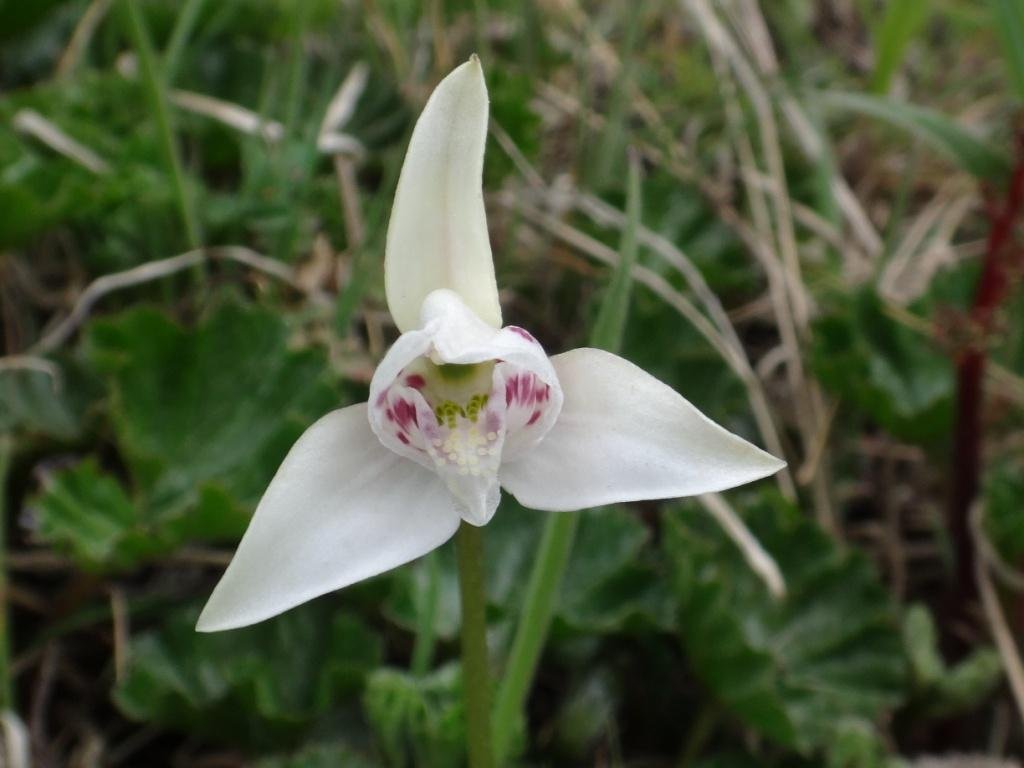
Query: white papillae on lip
458	397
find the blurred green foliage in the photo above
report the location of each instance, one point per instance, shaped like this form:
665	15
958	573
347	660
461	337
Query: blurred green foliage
802	669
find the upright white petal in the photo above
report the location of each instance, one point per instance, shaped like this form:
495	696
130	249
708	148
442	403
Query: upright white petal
341	508
437	236
622	435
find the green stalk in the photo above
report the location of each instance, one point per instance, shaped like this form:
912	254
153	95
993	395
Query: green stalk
556	543
6	685
297	71
538	608
153	85
476	682
423	650
610	325
183	27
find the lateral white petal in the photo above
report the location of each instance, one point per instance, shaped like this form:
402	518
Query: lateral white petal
437	235
622	435
340	509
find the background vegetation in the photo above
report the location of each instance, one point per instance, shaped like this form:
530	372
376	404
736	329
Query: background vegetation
191	231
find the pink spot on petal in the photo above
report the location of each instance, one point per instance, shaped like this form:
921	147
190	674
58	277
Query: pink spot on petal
401	436
415	381
533	418
522	332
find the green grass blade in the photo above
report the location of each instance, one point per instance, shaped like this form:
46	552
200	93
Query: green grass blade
901	21
155	90
611	319
971	153
1008	17
183	27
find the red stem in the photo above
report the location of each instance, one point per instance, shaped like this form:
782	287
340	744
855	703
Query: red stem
993	286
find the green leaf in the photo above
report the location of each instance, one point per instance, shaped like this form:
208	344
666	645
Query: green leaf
794	669
204	416
609	585
262	685
856	744
87	513
901	21
1004	489
922	646
940	691
884	369
418	721
971	153
1008	18
50	403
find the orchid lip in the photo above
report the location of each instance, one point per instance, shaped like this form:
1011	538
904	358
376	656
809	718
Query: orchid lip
460	397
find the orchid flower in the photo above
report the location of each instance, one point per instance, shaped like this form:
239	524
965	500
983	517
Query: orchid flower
461	407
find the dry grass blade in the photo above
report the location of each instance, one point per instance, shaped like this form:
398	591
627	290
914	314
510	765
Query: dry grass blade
786	287
1006	644
602	213
664	290
15	742
233	115
926	247
156	270
763	54
760	562
31	123
718	37
30	363
343	104
80	38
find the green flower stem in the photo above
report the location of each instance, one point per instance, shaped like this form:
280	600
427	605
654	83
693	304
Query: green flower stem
556	543
6	685
423	650
152	81
538	608
476	683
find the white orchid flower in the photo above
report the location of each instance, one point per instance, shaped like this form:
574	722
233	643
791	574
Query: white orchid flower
461	407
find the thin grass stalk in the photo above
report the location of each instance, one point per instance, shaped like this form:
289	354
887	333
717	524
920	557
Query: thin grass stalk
155	90
183	27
